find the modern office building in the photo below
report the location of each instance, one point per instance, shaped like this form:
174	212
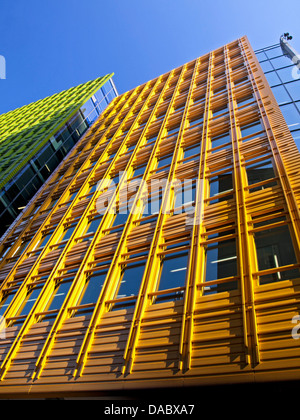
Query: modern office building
164	251
35	138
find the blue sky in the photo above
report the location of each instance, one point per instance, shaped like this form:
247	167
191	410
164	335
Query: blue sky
52	45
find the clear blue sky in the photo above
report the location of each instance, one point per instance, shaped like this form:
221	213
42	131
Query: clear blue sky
51	45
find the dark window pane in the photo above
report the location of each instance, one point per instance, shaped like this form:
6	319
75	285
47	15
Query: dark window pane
131	279
252	128
91	290
219	140
188	152
120	218
58	296
221	183
6	302
93	225
221	262
29	301
274	248
260	172
173	271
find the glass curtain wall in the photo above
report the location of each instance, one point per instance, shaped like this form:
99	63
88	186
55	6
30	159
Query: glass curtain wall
284	79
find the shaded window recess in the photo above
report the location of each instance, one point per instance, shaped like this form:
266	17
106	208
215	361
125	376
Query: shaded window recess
221	264
274	251
172	276
220	187
129	284
261	173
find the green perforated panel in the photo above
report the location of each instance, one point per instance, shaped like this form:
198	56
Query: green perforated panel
24	131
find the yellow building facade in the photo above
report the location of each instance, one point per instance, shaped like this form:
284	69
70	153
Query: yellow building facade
164	250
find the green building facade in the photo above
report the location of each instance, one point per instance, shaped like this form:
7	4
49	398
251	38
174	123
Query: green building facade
35	138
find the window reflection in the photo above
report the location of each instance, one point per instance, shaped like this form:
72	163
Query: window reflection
286	74
281	94
273	78
294	90
281	61
291	115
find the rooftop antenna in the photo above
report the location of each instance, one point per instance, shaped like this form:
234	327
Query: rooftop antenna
288	50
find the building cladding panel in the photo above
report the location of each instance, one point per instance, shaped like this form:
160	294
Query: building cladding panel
164	251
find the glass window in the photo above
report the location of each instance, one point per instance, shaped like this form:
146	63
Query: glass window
191	151
220	184
294	89
286	74
173	272
165	160
172	130
58	296
272	78
218	90
93	225
91	290
221	262
194	121
260	172
282	61
266	66
89	111
252	128
120	218
139	170
131	277
5	302
245	100
44	240
220	140
261	56
185	194
154	203
281	94
67	233
219	110
21	248
29	301
92	189
291	115
296	137
274	52
274	248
